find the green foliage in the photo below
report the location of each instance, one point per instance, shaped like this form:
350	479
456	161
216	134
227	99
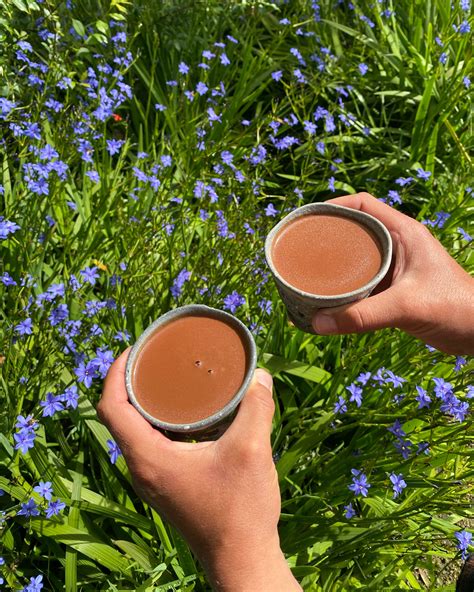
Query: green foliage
146	219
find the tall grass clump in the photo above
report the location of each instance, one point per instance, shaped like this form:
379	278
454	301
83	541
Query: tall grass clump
146	150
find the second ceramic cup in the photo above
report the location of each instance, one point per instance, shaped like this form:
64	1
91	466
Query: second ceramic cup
324	255
188	371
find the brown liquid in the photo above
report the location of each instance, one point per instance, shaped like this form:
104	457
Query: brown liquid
189	369
326	255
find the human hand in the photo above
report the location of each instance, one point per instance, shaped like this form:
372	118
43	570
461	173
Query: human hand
430	295
223	496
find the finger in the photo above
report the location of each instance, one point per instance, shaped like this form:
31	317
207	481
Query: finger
132	432
376	312
369	204
255	414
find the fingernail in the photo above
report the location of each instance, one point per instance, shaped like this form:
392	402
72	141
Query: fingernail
324	323
263	378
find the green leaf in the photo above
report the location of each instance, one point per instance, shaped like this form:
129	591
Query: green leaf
276	364
79	27
83	542
420	118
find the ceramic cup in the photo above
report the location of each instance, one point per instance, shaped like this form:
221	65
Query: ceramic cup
302	306
209	427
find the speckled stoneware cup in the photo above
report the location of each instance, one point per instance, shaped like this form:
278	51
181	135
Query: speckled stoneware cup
213	426
302	306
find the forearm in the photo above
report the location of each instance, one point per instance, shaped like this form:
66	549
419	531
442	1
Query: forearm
249	569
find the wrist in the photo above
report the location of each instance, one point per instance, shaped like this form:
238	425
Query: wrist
251	568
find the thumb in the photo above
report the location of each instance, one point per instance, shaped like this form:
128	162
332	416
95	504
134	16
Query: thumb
375	312
255	414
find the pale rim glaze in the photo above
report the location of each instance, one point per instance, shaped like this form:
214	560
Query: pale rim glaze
183	311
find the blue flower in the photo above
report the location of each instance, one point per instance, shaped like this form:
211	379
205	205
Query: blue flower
44	489
402	181
349	511
363	378
356	394
86	373
183	276
404	447
329	124
451	405
331	184
270	210
6	107
103	360
25	438
227	157
359	484
398	484
467	237
466	81
114	451
309	127
233	301
70	396
396	381
442	388
25	422
58	315
265	306
463	28
29	509
258	154
183	68
7	228
340	406
295	51
248	228
24	327
363	68
113	146
277	75
54	508
366	19
321	147
51	405
423	398
90	274
394	198
396	429
213	116
464	540
201	88
439	221
166	160
460	362
424	175
35	585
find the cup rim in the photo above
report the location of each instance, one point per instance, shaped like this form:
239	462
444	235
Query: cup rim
229	408
385	241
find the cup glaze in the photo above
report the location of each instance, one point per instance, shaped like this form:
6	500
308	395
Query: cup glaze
210	427
302	306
